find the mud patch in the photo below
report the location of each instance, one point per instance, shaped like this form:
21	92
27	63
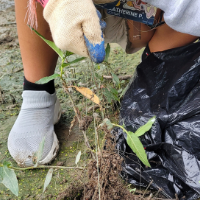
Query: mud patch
104	179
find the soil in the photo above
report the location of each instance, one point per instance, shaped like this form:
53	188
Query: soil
109	182
105	178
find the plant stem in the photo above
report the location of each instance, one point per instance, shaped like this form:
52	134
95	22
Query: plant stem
95	82
42	167
97	149
84	134
121	128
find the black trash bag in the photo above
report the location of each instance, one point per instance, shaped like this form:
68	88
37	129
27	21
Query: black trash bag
167	85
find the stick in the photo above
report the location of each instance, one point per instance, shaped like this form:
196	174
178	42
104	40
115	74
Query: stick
125	77
147	188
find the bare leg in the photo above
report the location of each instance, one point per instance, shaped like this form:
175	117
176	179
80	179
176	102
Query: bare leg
39	60
40	109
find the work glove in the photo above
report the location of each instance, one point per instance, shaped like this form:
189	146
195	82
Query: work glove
76	26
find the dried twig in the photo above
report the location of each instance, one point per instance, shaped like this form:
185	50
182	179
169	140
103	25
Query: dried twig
158	192
125	77
43	167
147	188
176	197
149	197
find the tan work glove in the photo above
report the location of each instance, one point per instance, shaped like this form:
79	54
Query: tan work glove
75	25
70	21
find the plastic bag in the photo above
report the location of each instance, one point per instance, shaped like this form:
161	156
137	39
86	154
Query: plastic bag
167	85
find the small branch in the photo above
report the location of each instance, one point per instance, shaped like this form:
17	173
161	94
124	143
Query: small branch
158	192
150	196
43	167
147	188
77	116
125	77
176	197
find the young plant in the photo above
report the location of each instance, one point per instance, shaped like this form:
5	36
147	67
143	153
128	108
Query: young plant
133	138
84	91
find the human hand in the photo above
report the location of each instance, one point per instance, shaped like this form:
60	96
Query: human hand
76	27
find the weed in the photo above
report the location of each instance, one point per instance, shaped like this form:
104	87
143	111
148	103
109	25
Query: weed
103	92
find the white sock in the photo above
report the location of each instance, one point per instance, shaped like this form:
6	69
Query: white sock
35	122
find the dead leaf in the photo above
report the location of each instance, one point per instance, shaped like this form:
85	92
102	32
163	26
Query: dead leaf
88	94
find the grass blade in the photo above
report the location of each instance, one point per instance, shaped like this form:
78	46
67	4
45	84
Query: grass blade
48	178
39	152
72	62
107	52
8	178
78	157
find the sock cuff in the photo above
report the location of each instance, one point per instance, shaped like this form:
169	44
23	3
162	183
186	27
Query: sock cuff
48	87
37	99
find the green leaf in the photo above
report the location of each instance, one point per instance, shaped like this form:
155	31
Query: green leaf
47	79
109	95
72	62
51	44
9	179
40	151
143	129
134	143
78	157
68	53
115	79
107	52
114	91
48	178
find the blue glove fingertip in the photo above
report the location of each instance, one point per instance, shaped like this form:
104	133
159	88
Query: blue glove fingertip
96	51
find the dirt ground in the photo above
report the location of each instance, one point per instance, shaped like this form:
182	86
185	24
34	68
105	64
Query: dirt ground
11	84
